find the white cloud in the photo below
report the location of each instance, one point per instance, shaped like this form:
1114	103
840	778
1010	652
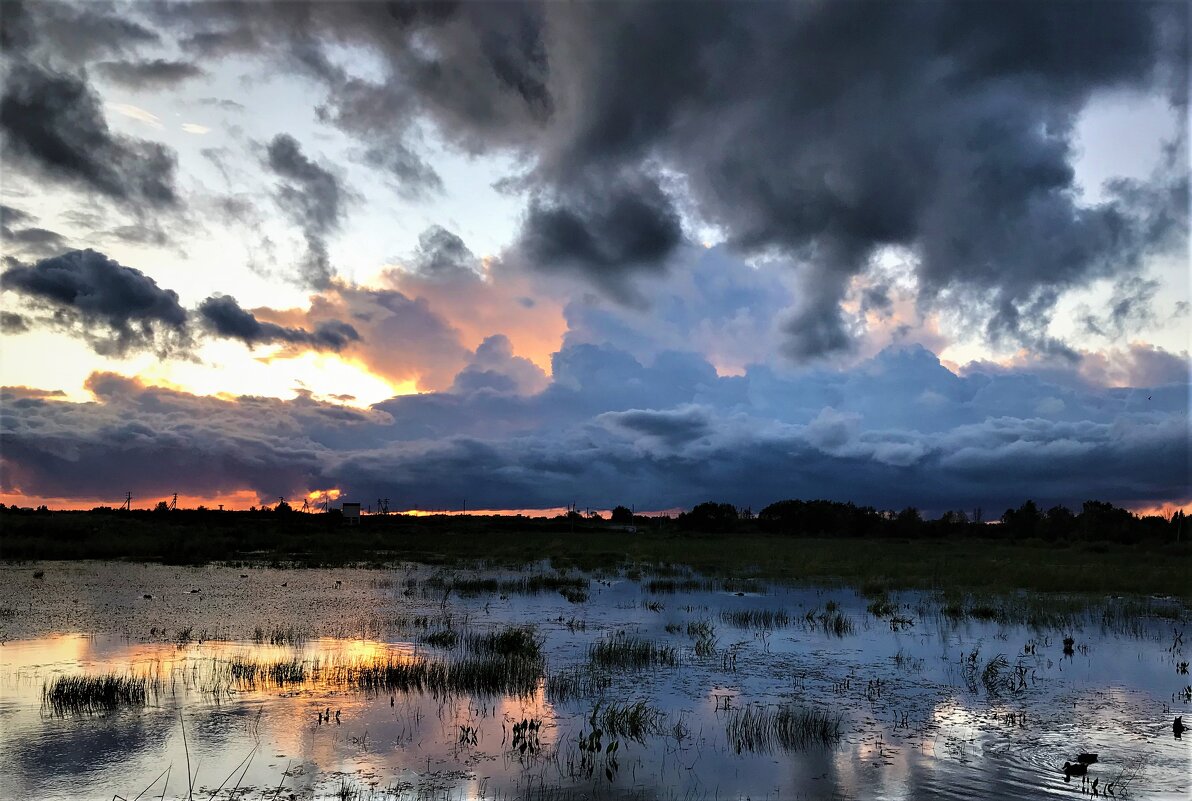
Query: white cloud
137	113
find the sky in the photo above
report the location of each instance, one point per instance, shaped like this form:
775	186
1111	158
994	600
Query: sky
528	255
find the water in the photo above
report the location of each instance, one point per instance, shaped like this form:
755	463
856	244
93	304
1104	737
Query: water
920	716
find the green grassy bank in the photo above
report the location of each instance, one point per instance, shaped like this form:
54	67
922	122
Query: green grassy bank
961	563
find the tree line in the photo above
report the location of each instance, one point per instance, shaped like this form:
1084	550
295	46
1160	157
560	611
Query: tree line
1096	520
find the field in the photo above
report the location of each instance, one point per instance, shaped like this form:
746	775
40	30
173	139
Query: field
987	564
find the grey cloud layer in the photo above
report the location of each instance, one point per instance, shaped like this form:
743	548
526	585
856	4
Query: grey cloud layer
898	429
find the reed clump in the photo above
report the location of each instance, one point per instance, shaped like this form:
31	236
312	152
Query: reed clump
89	694
630	652
575	684
765	729
534	584
634	721
478	675
279	635
756	618
443	638
521	642
245	672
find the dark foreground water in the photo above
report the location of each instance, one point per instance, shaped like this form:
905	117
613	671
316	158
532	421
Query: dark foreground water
930	697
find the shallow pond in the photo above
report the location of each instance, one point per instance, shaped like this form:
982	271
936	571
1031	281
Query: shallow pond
413	683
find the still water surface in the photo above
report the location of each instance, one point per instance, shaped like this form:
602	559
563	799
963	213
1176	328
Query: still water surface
922	714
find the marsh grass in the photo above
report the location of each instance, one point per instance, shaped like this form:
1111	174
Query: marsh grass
479	675
667	586
279	635
832	622
630	652
443	638
1059	612
521	642
248	673
90	694
881	606
704	634
756	618
576	684
765	729
534	584
634	721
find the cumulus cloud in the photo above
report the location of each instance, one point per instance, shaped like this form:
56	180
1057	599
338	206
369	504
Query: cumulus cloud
442	256
52	123
615	430
117	309
494	367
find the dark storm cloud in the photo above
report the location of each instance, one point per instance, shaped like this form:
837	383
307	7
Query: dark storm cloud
151	74
313	198
116	308
223	317
605	230
898	429
52	122
822	131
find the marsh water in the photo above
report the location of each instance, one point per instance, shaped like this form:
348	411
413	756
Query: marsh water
277	683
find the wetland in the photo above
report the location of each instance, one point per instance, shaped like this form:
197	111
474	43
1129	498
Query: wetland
478	681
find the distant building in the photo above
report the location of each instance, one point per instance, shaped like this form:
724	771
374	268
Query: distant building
351	513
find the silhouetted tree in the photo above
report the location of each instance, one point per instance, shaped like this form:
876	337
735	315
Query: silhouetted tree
622	516
709	517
